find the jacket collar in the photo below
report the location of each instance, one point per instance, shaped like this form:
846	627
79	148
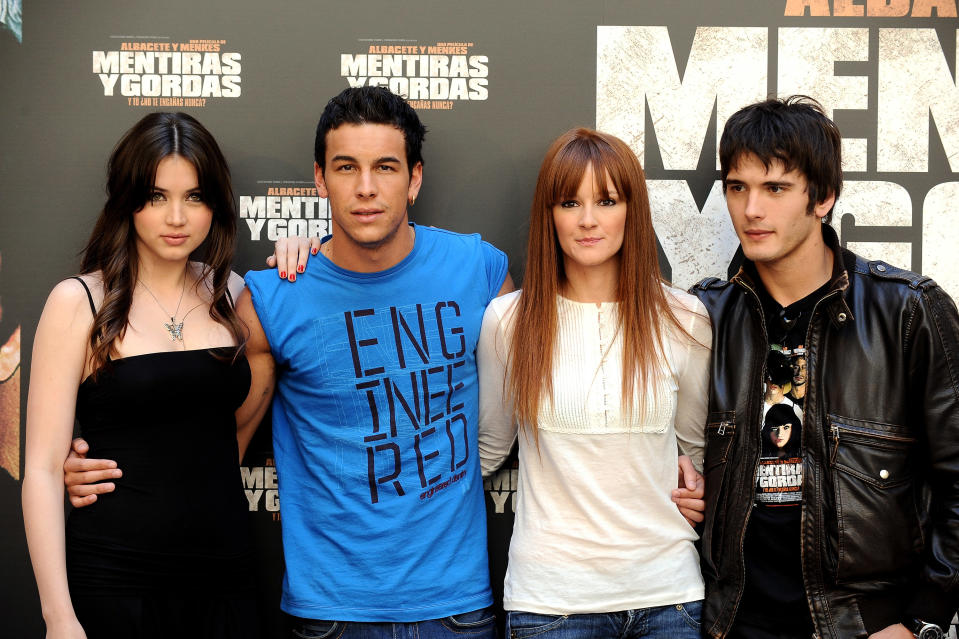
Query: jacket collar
843	261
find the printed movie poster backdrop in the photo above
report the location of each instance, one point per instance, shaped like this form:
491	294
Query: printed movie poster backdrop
494	82
891	87
168	74
11	18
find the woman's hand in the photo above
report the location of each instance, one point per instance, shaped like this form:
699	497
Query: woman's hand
290	255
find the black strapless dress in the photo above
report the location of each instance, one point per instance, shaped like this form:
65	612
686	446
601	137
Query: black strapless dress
168	554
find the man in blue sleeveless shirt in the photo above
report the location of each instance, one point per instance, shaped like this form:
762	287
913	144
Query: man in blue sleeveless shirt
375	417
375	423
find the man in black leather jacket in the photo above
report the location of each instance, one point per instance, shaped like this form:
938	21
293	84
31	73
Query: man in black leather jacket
855	532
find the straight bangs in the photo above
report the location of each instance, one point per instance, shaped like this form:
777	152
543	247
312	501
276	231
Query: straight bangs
565	173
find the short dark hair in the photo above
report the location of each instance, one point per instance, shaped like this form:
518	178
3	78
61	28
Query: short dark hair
793	130
371	105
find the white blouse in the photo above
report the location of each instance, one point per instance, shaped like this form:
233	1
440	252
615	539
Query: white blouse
595	529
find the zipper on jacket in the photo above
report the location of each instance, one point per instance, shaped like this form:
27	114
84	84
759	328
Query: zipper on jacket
835	445
812	368
869	433
861	434
752	485
802	524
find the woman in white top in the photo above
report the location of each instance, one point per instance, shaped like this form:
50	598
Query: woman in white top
603	367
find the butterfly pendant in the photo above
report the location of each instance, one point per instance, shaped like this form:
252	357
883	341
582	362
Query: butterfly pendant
175	330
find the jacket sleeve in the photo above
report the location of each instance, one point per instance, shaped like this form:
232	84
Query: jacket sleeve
932	341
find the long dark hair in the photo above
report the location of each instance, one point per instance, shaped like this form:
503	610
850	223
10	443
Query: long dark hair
111	249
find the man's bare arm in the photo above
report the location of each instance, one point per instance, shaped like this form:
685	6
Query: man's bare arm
508	286
262	370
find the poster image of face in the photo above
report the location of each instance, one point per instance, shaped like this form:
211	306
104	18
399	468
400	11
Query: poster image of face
11	17
9	396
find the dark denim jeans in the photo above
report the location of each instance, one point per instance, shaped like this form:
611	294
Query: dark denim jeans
479	624
679	621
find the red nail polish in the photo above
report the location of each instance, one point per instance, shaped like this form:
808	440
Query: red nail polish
282	274
292	277
300	268
313	251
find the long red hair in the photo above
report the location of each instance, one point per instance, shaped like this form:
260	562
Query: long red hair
643	305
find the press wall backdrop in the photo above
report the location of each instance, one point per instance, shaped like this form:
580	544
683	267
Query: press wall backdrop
495	82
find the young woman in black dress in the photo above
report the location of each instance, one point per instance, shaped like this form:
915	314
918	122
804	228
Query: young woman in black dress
144	350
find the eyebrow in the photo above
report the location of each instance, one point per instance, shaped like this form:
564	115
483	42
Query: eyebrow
730	180
160	189
386	159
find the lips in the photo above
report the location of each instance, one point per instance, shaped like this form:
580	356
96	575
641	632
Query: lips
175	239
758	234
589	241
366	214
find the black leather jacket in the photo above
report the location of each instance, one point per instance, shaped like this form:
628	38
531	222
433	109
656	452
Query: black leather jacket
880	512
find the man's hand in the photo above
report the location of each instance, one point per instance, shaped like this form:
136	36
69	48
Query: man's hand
689	496
898	631
80	473
290	255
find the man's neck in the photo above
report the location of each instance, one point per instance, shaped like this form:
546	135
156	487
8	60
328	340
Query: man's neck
367	259
791	280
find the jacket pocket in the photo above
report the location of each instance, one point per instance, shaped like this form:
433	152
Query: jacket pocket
720	431
878	530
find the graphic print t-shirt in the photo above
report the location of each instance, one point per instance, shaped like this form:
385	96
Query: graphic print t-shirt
375	431
774	598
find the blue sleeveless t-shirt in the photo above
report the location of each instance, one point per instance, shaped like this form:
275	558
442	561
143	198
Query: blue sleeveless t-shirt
375	431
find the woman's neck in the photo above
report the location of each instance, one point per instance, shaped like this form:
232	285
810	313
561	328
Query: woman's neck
591	284
163	276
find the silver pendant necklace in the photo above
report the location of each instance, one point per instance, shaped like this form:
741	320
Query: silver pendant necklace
173	328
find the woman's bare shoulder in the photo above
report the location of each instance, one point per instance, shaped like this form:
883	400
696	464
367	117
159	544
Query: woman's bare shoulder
70	293
202	271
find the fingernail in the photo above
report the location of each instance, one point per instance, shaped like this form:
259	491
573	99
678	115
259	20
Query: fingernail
292	277
313	251
282	274
300	268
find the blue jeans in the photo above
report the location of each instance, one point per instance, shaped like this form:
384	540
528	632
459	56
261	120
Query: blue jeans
479	624
679	621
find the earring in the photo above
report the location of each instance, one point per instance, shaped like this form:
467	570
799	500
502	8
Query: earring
412	200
